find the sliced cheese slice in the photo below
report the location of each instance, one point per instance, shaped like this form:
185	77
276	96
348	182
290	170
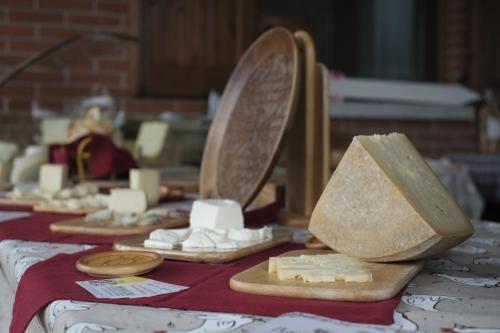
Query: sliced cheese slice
320	268
384	203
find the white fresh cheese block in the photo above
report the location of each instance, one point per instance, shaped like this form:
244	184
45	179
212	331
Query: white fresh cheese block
151	243
216	214
53	177
147	180
384	203
198	239
320	268
127	201
209	238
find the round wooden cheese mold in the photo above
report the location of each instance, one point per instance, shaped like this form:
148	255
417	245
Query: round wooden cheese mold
256	109
118	263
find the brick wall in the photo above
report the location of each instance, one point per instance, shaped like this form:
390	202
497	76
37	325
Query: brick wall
29	26
432	138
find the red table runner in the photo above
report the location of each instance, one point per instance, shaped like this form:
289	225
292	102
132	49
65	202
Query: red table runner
37	228
54	279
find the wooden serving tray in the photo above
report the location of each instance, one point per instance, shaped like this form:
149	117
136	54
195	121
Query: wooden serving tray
255	111
21	202
79	226
112	264
53	209
209	256
388	280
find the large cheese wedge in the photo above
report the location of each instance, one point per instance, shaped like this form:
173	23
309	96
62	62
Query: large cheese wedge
53	177
384	203
147	180
127	201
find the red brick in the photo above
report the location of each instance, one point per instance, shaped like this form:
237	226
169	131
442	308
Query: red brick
63	91
66	5
90	78
17	3
16	118
149	105
16	30
20	104
46	77
95	21
113	7
35	16
13	90
80	65
12	60
119	92
31	46
58	33
191	106
122	65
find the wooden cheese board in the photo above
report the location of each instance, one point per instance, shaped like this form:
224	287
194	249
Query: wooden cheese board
208	256
255	111
388	280
19	202
44	208
6	186
112	264
80	226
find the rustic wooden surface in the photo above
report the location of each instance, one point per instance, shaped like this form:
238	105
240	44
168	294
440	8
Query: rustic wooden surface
6	186
79	226
113	264
308	140
256	108
388	279
53	209
18	202
212	256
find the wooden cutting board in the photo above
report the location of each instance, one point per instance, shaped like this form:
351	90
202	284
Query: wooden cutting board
79	226
388	280
19	202
255	111
53	209
112	264
6	186
210	256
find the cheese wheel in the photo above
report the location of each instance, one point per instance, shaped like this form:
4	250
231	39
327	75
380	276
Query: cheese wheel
384	203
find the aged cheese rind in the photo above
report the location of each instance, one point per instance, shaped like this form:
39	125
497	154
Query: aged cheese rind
384	203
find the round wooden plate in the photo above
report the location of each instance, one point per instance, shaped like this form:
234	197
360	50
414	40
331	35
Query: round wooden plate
112	264
256	109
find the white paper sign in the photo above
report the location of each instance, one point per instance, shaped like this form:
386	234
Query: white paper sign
297	322
7	216
128	287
